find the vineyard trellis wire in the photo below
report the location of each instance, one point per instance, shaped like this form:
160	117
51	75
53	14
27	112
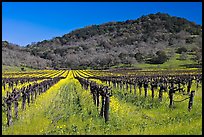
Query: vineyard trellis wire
26	93
168	83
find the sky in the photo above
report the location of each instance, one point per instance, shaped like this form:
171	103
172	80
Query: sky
27	22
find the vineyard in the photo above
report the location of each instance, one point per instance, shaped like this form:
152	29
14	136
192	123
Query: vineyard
80	102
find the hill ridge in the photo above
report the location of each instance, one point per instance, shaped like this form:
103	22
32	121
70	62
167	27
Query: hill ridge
115	43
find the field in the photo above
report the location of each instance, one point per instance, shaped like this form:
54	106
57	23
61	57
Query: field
6	68
80	102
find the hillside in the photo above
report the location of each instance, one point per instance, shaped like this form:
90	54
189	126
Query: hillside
111	44
14	55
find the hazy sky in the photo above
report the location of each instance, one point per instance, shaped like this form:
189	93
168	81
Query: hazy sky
26	22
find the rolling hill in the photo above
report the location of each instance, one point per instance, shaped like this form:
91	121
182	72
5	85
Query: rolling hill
111	44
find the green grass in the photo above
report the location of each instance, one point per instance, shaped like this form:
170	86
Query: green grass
151	117
68	109
172	63
14	68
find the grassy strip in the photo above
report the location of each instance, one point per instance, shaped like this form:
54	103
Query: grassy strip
67	109
33	120
15	68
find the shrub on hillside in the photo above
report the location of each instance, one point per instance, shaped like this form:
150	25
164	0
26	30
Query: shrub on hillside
181	49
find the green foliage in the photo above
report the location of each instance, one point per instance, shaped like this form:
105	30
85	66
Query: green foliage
139	57
198	57
183	56
181	49
80	47
160	58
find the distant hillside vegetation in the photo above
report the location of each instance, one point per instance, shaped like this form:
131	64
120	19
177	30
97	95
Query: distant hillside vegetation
14	55
146	39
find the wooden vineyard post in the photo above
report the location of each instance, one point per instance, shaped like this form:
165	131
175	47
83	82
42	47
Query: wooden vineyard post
32	95
140	87
28	97
130	88
15	100
9	115
93	92
23	100
179	86
161	92
134	88
35	90
106	109
16	108
102	105
97	98
145	88
94	98
160	95
126	86
114	84
7	94
152	92
191	100
189	86
171	97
